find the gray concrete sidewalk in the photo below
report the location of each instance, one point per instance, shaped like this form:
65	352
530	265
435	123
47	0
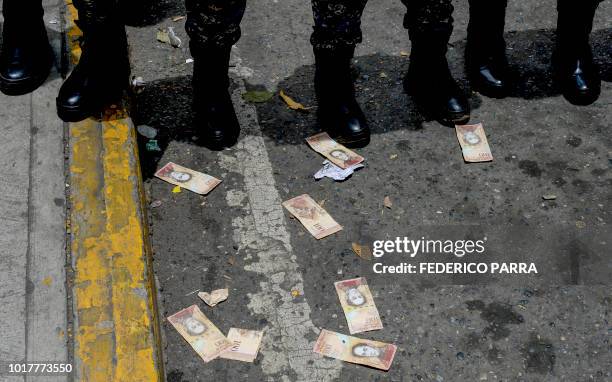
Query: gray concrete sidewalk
33	296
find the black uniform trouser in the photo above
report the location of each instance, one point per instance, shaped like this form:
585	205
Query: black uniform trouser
213	23
487	20
338	22
216	23
575	23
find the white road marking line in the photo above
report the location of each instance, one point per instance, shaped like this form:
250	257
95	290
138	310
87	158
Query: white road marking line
262	233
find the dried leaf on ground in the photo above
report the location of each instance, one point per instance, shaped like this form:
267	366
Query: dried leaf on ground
363	251
291	104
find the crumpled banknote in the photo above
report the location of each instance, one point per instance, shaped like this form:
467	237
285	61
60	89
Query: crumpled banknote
334	172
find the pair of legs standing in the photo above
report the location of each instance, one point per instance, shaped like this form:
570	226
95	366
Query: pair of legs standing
576	74
337	31
214	26
103	69
430	24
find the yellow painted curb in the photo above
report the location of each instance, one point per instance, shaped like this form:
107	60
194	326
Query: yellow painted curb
116	328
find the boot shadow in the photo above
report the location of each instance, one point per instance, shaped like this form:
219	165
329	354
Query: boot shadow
164	105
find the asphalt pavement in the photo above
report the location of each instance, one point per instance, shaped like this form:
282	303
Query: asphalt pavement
553	326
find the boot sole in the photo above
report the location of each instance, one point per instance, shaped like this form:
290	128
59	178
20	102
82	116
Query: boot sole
12	87
488	91
582	100
458	119
79	113
216	143
450	120
73	114
353	142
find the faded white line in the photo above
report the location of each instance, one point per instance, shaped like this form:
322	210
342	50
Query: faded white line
262	234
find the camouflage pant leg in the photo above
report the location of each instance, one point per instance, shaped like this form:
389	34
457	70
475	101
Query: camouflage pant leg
424	17
94	13
213	23
337	23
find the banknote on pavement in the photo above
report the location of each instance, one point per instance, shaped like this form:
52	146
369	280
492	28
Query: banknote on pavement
200	333
186	178
245	344
358	305
355	350
316	220
334	151
473	143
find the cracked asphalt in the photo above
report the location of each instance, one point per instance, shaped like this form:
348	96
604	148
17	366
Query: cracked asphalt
553	326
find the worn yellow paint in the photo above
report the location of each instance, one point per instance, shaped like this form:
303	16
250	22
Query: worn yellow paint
73	33
47	281
116	338
116	332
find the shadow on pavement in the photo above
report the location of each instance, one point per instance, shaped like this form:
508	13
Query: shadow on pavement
166	104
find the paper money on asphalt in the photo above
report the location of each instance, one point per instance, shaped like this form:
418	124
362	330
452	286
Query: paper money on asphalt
214	297
334	172
200	333
355	350
186	178
474	144
334	151
316	220
358	305
245	344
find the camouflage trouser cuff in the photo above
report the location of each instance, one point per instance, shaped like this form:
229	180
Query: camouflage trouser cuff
98	13
329	41
203	38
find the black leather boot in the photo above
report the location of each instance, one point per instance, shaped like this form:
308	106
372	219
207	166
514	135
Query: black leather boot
485	54
576	74
99	78
430	82
215	117
339	113
26	57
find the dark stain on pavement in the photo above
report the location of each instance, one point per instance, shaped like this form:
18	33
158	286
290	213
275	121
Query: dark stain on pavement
574	141
530	168
497	315
175	376
539	355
